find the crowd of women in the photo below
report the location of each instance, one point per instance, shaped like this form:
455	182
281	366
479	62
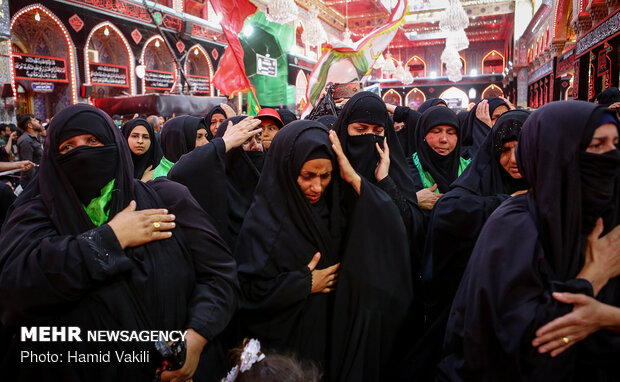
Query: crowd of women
483	246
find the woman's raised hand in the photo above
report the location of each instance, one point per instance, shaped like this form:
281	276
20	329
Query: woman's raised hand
134	228
346	170
323	280
602	260
236	134
383	167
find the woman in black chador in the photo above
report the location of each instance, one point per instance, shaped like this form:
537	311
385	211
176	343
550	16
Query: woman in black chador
145	150
454	226
537	243
89	246
305	234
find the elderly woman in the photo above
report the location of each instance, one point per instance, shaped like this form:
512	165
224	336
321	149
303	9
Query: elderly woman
91	247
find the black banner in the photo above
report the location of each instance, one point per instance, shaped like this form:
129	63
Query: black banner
108	75
156	79
32	67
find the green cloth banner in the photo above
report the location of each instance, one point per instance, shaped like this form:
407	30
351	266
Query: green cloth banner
271	40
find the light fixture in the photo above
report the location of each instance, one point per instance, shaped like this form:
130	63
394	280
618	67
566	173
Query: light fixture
314	34
106	31
282	11
196	52
156	43
473	72
37	16
247	30
472	93
433	74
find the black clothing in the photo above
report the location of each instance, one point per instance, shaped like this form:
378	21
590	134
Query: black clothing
475	130
58	269
279	236
443	168
152	156
430	103
7	197
454	226
29	148
531	246
286	116
207	119
407	136
609	96
222	182
327	120
178	136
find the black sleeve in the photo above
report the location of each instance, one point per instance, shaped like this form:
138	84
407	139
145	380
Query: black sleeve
42	270
203	172
216	293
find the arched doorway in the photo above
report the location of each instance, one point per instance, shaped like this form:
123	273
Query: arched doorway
43	61
415	98
456	98
24	100
199	71
301	85
493	63
392	97
492	91
109	62
160	69
416	66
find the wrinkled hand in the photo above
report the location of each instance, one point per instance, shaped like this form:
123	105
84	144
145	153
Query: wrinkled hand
134	228
602	257
323	280
383	167
346	170
237	134
148	174
194	344
558	335
427	198
228	110
482	113
510	105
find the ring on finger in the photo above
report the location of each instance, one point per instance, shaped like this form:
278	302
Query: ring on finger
156	225
566	340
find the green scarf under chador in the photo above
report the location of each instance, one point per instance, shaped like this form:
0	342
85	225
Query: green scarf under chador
164	167
98	210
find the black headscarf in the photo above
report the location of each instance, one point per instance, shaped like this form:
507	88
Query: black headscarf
443	168
279	236
368	107
430	103
207	119
327	120
609	96
152	156
178	136
485	175
551	155
475	131
286	116
407	135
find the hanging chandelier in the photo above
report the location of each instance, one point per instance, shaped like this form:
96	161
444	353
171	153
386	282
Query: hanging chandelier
457	40
314	34
347	37
388	67
453	21
379	62
454	17
282	11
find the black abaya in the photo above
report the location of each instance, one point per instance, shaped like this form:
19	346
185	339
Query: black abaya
58	269
475	130
531	246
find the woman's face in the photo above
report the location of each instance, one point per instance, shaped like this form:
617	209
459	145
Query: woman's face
361	128
201	137
442	139
508	159
605	139
216	120
270	129
77	141
139	140
498	113
314	177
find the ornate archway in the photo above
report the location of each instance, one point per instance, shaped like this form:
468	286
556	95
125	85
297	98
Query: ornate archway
393	97
414	98
493	63
455	98
492	91
42	60
160	68
109	61
199	70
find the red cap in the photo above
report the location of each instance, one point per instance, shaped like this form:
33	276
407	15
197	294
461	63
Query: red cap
270	113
